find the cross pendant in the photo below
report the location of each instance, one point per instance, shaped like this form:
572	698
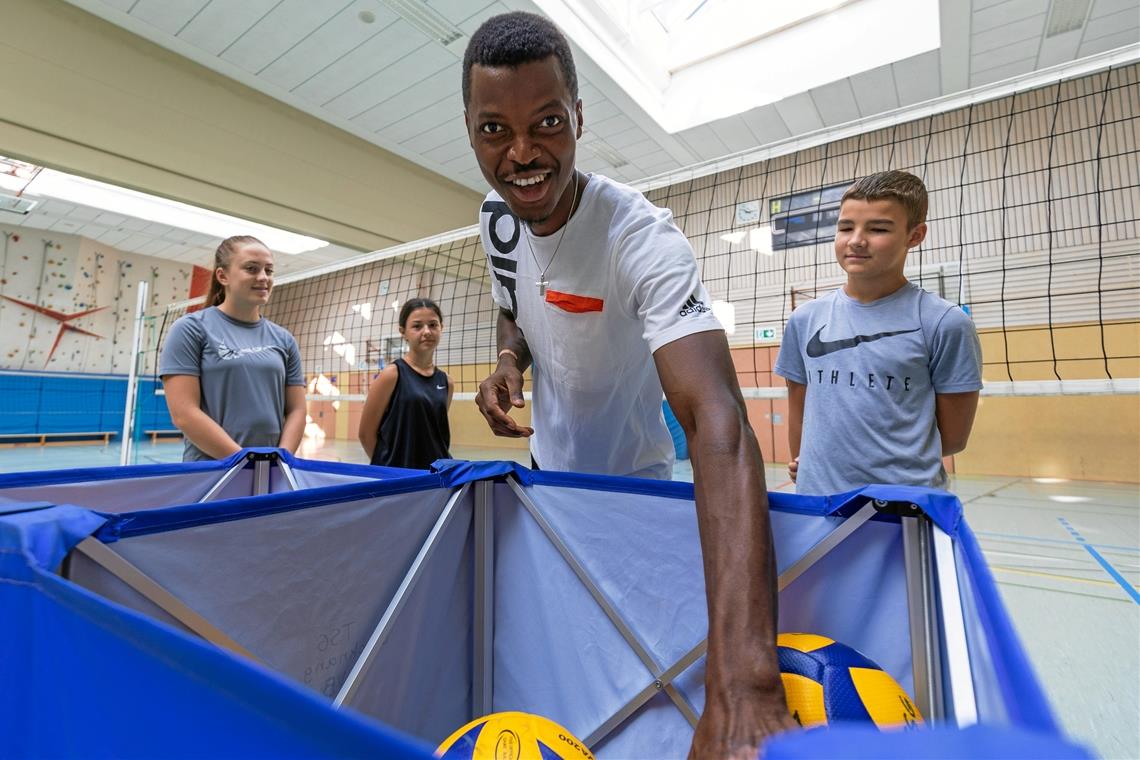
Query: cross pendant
542	287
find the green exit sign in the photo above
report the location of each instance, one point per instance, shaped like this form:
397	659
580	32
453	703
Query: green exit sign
765	333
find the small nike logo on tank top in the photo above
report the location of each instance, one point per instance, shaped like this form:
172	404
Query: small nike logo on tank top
817	348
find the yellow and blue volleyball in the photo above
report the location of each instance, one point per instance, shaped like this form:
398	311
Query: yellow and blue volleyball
513	736
826	682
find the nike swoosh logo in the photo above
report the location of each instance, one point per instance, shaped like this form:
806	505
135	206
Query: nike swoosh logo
817	348
440	387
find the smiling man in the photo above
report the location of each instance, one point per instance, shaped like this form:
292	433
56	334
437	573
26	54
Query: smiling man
598	291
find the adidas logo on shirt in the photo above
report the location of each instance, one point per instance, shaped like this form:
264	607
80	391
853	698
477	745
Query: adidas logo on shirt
693	305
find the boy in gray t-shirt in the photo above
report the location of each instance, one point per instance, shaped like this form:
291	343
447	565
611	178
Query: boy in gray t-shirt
883	377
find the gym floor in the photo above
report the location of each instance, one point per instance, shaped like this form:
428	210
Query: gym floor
1066	556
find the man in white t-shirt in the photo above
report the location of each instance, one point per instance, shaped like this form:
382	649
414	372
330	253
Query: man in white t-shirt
598	291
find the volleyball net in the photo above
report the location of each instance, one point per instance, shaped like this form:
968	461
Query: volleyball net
1032	230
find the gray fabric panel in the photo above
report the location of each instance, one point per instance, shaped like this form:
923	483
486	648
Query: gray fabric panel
310	479
420	681
644	552
240	486
556	653
301	590
857	596
657	730
93	577
125	495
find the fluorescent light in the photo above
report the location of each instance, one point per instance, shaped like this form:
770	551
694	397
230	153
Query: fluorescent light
1050	481
87	192
734	237
1070	499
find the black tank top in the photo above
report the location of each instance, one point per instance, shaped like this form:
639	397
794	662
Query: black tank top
414	430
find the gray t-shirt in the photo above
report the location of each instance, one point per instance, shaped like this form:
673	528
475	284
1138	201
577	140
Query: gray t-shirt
872	371
243	368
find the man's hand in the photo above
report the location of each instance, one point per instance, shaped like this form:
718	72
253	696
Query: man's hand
793	468
498	394
734	726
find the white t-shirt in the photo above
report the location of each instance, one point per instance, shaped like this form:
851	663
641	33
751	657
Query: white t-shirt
624	284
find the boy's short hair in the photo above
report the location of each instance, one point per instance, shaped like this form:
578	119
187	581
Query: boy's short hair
512	39
895	185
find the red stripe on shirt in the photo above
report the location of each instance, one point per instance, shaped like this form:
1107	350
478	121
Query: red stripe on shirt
572	303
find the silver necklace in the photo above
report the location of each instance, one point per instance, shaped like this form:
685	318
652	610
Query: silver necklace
542	281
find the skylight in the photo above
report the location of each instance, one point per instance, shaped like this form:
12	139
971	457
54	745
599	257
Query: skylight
689	62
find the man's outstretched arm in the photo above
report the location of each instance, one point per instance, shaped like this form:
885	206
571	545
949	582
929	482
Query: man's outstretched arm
744	697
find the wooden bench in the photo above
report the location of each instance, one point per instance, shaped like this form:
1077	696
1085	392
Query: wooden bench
156	434
42	437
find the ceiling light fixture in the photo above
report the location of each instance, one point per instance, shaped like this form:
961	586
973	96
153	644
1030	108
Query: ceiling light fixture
50	184
426	19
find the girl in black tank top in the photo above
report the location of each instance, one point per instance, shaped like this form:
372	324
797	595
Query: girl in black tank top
404	421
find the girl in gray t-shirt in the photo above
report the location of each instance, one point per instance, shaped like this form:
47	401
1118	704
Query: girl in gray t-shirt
232	378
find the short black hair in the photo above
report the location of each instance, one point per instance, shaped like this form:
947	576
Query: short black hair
512	39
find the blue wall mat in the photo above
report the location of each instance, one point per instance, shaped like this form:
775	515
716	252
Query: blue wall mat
76	403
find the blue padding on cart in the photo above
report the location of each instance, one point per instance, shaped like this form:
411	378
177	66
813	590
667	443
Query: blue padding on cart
977	742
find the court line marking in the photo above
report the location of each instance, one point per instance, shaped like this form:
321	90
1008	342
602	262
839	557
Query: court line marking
1108	568
1066	542
1038	573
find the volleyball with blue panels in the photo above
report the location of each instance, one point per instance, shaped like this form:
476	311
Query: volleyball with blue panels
513	736
828	682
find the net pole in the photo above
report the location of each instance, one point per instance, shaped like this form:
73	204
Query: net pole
126	450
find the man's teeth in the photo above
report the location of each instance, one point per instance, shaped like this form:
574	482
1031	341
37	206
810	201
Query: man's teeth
530	180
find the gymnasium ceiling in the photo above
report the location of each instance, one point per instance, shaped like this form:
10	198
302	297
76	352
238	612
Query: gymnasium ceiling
365	66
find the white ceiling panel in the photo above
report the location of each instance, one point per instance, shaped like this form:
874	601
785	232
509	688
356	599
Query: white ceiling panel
703	141
412	124
167	15
1002	56
219	24
55	208
449	151
134	225
648	151
999	73
733	132
598	109
766	124
66	225
397	77
37	220
1008	12
113	237
107	219
622	140
1106	7
290	22
1113	23
447	132
800	114
1029	28
84	214
332	41
874	91
836	102
917	78
385	48
1109	42
444	84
